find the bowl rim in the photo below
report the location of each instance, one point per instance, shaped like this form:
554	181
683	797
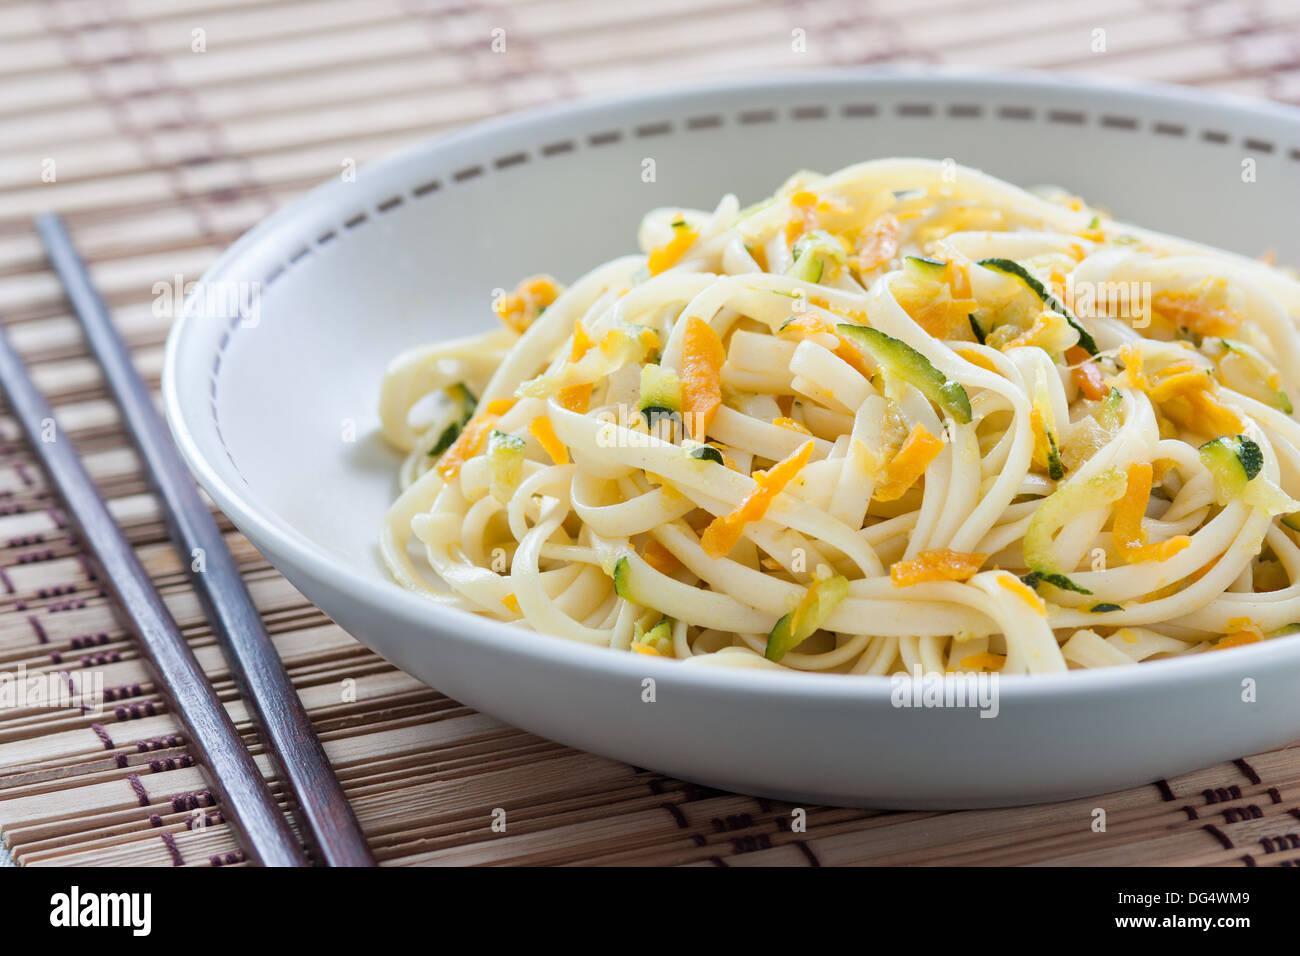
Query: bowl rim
459	625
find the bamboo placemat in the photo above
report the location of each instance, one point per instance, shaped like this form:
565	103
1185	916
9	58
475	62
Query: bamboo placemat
162	129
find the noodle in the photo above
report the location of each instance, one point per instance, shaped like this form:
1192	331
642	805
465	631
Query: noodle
902	416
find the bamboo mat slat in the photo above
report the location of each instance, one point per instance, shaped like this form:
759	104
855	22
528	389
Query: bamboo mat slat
165	155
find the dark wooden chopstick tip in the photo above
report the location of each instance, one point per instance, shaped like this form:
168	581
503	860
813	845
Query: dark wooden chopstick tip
242	791
330	825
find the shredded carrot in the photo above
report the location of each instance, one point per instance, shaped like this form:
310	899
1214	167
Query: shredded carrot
879	243
1042	445
942	315
1089	379
857	316
1180	379
792	425
941	308
660	558
1129	535
576	397
1032	335
919	449
1238	639
1023	591
1131	356
518	309
957	275
977	358
847	351
582	342
542	429
645	649
1204	414
701	375
1187	394
1193	312
804	217
941	564
468	443
811	324
667	256
511	602
722	533
499	406
983	661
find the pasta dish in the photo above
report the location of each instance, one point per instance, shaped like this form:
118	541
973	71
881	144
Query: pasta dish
902	417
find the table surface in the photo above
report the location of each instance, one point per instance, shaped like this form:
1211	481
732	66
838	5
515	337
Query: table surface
162	129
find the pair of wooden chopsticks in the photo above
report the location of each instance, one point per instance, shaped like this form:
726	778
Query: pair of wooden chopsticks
328	823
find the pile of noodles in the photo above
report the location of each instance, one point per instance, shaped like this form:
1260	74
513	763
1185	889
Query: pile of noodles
838	495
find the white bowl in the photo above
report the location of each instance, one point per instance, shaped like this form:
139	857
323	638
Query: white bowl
357	271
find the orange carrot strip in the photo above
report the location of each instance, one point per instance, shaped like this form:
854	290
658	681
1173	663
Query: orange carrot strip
468	443
957	275
813	324
520	308
942	315
1041	444
983	661
660	558
1192	312
667	256
1127	529
879	243
941	564
722	533
511	602
1131	356
542	429
808	324
1089	379
1186	394
909	464
976	358
1238	639
701	375
803	217
1207	415
851	355
1009	582
1180	381
1129	535
576	397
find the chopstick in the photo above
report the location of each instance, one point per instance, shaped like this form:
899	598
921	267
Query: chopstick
246	800
330	826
